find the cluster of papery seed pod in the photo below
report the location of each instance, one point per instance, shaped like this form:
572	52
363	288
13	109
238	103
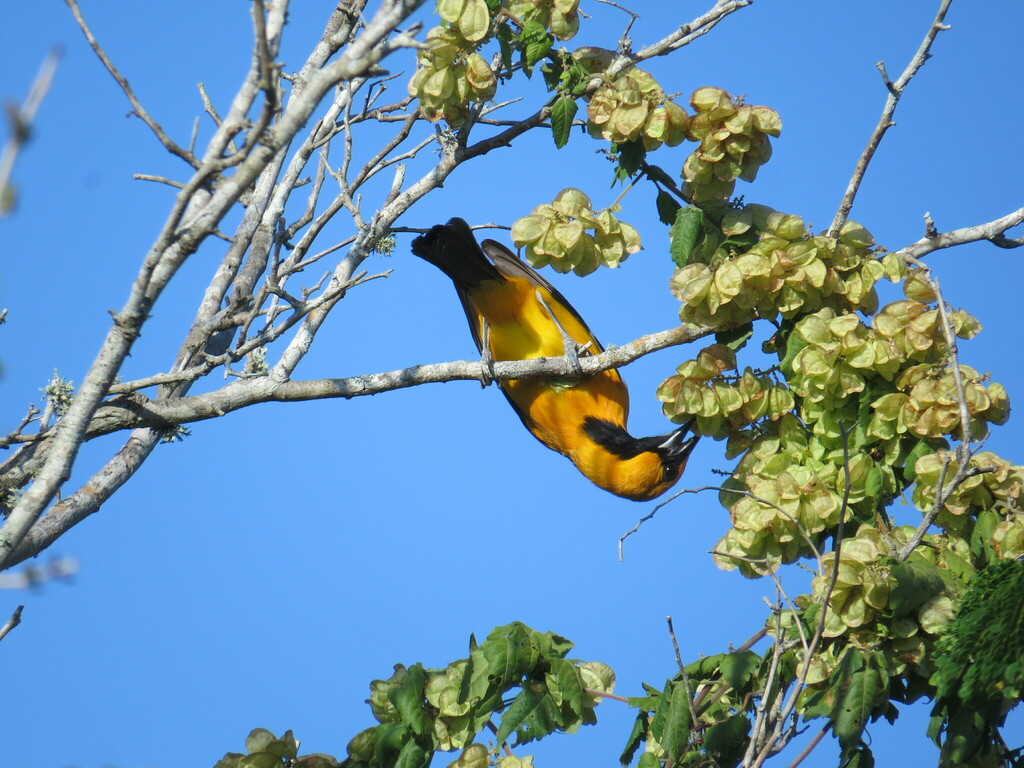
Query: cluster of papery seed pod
723	407
838	355
877	602
786	272
634	107
560	16
1008	536
450	75
931	401
733	140
557	233
993	484
783	493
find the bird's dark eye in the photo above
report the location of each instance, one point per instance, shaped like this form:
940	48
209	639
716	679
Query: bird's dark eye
669	470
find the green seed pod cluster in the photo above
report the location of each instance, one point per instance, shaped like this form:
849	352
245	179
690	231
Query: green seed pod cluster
997	485
1008	537
635	107
837	355
560	16
862	583
787	271
930	406
784	491
915	330
723	406
450	75
469	18
733	144
557	234
896	608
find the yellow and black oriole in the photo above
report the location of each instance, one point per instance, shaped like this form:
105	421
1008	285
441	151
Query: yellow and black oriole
520	316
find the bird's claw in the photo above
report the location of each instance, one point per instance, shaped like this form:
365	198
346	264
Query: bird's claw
486	358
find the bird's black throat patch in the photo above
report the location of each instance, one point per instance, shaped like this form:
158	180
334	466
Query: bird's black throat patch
617	440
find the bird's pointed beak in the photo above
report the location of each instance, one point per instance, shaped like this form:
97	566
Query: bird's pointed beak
677	444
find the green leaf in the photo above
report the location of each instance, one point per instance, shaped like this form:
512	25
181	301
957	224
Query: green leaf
873	483
631	155
565	687
860	757
726	741
552	71
981	535
735	338
855	708
531	715
793	343
706	666
413	756
315	760
667	207
505	40
285	747
636	737
260	760
671	723
8	198
509	653
687	232
408	696
562	113
737	668
659	176
361	747
258	739
389	742
922	448
917	581
536	42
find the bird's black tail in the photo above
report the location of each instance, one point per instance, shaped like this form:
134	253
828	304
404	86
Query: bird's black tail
452	248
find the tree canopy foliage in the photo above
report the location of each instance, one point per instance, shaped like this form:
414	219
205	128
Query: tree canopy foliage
834	400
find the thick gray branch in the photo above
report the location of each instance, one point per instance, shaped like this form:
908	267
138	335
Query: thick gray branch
173	245
991	230
136	411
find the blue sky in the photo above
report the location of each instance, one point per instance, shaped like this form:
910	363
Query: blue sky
265	570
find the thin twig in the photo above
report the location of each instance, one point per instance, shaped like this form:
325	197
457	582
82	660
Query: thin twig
963	451
12	622
789	709
21	120
682	673
605	695
807	539
885	122
158	179
137	107
810	746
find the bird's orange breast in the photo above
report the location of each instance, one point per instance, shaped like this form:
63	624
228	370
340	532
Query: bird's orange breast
519	324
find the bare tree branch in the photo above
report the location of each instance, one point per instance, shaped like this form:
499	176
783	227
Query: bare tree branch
181	236
990	231
122	81
689	32
135	411
21	121
12	622
885	121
